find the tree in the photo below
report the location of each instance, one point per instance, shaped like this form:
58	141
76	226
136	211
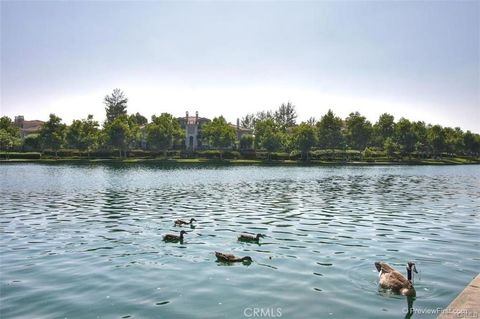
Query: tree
116	105
32	142
9	127
329	130
7	141
312	121
52	134
219	133
120	133
268	136
383	128
472	143
390	147
263	115
139	119
285	116
248	121
453	140
83	134
405	136
436	139
358	131
420	131
162	132
246	142
304	138
74	132
9	134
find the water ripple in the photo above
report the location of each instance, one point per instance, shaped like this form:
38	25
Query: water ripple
88	239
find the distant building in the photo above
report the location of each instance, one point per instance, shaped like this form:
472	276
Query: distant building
241	130
193	131
28	127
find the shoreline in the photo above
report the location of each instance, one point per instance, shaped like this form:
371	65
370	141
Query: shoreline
237	162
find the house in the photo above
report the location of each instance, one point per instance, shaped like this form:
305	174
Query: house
193	131
240	131
27	127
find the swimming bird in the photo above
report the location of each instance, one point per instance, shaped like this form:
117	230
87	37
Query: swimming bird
245	237
180	222
231	258
395	281
174	238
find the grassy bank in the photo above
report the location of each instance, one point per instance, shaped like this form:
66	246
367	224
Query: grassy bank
239	162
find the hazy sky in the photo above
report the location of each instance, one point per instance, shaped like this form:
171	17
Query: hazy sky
420	60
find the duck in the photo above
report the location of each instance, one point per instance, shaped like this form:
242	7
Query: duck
393	280
180	222
231	258
245	237
174	238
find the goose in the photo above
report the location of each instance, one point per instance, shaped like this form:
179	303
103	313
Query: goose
395	281
245	237
231	258
174	238
180	222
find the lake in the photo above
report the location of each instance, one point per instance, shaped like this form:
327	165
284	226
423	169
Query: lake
85	241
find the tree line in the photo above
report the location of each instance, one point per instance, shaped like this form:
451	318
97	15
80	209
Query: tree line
272	131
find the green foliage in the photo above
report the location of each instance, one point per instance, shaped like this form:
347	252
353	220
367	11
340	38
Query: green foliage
383	129
9	127
163	131
390	147
268	136
420	131
32	142
436	139
20	155
7	140
116	105
246	142
83	134
405	136
285	116
248	121
219	133
217	154
453	140
264	115
337	139
329	130
358	131
120	133
52	133
472	143
304	137
9	134
139	119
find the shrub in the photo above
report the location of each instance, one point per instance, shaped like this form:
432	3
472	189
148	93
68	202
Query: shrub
21	155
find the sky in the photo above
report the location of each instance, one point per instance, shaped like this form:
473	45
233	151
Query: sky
413	59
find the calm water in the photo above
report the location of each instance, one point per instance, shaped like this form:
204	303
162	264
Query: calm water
85	241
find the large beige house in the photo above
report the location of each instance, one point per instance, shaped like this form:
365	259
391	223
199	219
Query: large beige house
193	131
27	127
